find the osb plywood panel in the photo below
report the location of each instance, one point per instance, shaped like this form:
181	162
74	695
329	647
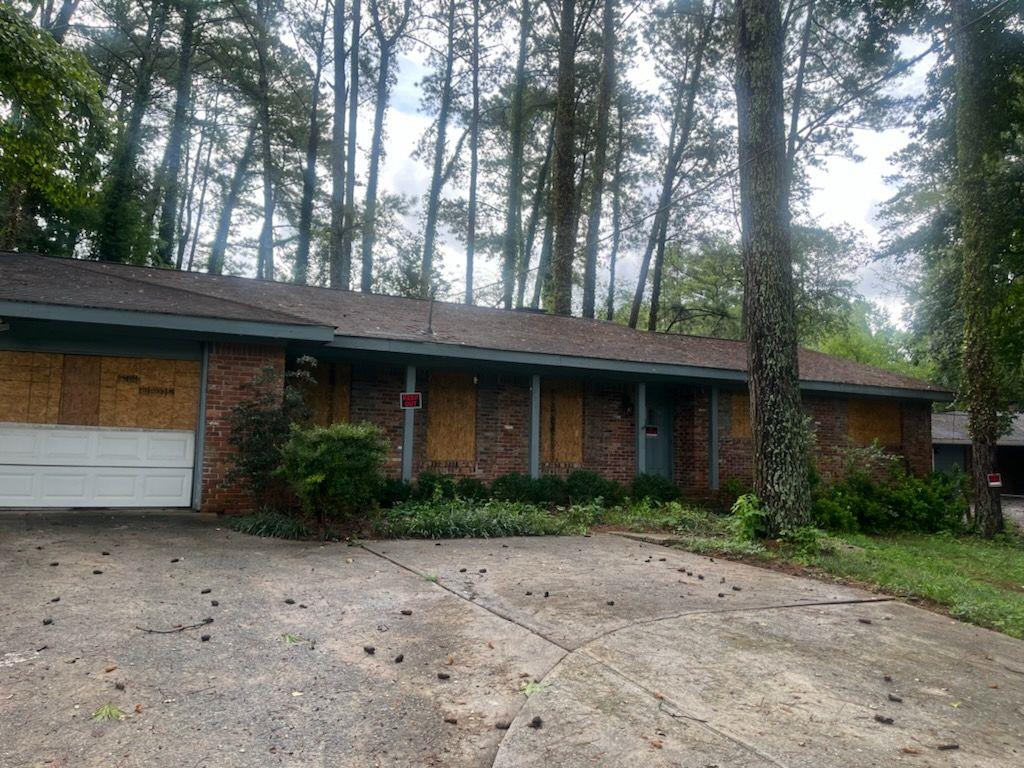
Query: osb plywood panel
561	422
451	416
739	415
80	391
330	393
869	420
148	393
30	383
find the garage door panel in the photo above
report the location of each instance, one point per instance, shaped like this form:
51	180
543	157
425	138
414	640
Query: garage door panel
51	466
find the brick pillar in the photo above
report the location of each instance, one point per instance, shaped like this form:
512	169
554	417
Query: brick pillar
230	371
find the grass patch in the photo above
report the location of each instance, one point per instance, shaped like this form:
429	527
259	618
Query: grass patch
108	712
466	518
270	524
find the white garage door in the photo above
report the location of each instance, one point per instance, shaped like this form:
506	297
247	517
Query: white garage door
63	466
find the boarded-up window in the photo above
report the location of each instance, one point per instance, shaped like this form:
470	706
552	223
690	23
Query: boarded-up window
451	416
561	422
30	386
330	393
45	388
869	420
739	415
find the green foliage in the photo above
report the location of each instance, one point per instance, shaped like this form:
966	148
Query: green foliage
644	515
747	519
268	523
654	487
261	425
465	518
107	712
934	503
523	488
472	488
52	123
584	485
393	491
335	471
430	485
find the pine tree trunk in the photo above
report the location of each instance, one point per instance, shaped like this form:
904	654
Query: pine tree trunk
220	239
309	171
341	269
473	151
62	23
616	220
604	102
436	180
349	229
178	128
115	232
512	241
659	270
376	150
780	455
563	185
265	249
979	387
541	194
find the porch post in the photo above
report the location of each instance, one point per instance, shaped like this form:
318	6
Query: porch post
641	433
409	426
534	463
200	446
713	439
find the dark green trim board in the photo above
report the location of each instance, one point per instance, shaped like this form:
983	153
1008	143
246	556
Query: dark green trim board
640	416
70	341
409	426
187	323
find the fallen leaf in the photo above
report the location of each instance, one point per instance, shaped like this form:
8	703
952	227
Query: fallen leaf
656	743
910	751
110	669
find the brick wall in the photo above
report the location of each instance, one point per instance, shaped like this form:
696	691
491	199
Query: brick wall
375	398
609	430
230	372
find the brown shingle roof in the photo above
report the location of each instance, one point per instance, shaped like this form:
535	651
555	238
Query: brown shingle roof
78	283
951	429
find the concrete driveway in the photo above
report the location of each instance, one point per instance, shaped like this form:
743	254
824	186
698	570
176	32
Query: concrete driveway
633	655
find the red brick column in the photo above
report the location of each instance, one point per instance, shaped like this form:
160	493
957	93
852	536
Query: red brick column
230	371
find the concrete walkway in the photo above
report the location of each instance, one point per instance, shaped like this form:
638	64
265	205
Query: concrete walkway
633	654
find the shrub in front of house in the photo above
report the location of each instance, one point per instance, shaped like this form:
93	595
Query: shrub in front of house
472	488
430	485
334	471
393	491
584	485
467	518
902	502
655	488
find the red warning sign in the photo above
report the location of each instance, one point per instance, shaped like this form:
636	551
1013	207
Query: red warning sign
411	401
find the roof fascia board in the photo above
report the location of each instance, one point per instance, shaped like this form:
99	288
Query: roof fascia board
669	370
189	323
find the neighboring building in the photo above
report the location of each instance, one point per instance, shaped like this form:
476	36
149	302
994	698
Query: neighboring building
119	383
951	449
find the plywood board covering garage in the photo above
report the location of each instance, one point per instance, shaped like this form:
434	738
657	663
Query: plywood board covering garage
93	390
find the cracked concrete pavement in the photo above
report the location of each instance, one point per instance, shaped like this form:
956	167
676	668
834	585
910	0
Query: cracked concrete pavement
637	654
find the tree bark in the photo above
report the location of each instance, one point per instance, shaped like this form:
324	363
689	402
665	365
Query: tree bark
309	171
220	239
979	387
341	269
61	24
348	231
780	455
512	241
792	144
265	251
541	194
473	158
179	125
604	101
386	44
563	186
430	231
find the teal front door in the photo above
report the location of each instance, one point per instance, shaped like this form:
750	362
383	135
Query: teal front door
658	432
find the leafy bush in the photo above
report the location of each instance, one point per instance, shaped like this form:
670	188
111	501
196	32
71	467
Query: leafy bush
643	515
334	470
902	503
269	523
262	424
472	488
654	487
523	488
584	485
463	518
747	519
393	491
549	489
431	484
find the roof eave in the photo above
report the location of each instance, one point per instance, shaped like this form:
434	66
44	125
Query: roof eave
434	349
188	323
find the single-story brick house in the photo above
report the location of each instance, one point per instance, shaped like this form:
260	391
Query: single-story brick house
951	449
118	383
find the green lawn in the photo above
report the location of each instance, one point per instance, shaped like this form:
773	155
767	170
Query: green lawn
973	580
